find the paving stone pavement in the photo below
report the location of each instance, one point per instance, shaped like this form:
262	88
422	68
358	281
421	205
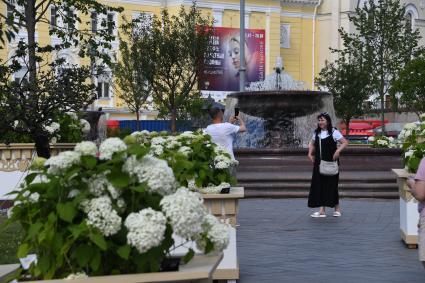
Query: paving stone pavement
279	242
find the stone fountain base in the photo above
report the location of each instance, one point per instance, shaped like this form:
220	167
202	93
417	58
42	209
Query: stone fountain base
278	119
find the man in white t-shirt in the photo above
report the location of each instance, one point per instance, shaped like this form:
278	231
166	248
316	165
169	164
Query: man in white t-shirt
224	133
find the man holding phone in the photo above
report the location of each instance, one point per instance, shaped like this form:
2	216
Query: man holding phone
224	133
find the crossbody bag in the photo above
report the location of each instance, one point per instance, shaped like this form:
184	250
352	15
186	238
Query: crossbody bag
327	168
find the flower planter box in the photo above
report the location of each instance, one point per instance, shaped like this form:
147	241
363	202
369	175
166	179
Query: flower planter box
409	215
225	207
199	269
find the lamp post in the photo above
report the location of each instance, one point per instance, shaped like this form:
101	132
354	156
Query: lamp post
278	69
242	68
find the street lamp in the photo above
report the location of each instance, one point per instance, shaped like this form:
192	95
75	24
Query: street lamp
278	69
242	68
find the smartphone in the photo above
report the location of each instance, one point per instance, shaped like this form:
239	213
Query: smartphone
236	111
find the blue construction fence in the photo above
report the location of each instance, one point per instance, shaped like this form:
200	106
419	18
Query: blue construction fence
155	125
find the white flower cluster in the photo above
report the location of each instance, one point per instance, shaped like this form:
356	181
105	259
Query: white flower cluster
52	128
186	212
99	184
217	233
102	216
172	143
212	189
86	126
86	148
188	135
62	161
409	153
142	137
155	172
185	150
110	146
223	159
73	115
146	229
157	145
76	276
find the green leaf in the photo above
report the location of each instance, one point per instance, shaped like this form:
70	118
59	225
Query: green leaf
77	230
141	188
209	247
124	251
34	229
99	240
95	261
30	177
118	179
89	161
23	250
43	263
66	211
73	172
83	254
190	254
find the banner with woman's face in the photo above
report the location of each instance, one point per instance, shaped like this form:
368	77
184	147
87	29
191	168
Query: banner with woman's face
222	71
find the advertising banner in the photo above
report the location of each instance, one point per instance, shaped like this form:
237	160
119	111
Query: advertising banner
222	71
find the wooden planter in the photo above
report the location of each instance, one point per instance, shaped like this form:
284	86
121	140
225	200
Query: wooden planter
409	215
199	269
18	156
225	207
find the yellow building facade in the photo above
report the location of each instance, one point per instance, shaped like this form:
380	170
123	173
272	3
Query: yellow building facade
299	31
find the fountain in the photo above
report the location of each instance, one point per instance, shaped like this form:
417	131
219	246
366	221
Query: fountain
278	112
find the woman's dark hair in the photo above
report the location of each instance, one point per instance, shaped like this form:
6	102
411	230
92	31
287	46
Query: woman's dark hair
328	119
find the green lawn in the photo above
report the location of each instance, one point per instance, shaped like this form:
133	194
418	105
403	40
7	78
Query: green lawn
9	242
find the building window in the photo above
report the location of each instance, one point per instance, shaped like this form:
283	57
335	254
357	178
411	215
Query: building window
70	21
285	35
53	17
110	23
21	76
103	89
93	22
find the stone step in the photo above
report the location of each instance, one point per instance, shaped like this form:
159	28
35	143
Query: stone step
303	194
390	187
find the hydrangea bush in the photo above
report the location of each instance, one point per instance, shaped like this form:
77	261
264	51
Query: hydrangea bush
412	138
111	210
383	142
197	162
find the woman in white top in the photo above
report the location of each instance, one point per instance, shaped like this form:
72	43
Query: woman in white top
324	189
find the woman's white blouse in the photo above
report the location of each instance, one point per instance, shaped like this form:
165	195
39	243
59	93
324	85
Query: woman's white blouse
324	134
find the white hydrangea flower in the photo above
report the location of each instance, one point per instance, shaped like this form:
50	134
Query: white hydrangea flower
382	142
213	189
73	193
34	197
185	210
410	126
409	153
102	216
76	276
52	128
142	137
98	184
172	143
371	139
121	203
86	148
188	134
185	150
157	149
73	115
110	146
155	172
158	141
62	161
217	233
146	229
86	126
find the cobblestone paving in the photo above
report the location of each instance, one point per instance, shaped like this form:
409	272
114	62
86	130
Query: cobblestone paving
279	242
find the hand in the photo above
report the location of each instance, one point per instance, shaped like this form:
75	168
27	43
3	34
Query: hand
336	155
311	157
232	119
411	183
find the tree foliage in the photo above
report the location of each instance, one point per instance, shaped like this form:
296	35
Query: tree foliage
411	85
389	43
180	46
50	84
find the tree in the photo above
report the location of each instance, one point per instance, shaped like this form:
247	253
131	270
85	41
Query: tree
346	79
38	92
411	84
389	43
181	44
135	68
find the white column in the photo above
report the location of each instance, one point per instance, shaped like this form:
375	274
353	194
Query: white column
336	24
247	14
218	17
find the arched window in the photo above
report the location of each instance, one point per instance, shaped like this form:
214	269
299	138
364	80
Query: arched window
411	15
